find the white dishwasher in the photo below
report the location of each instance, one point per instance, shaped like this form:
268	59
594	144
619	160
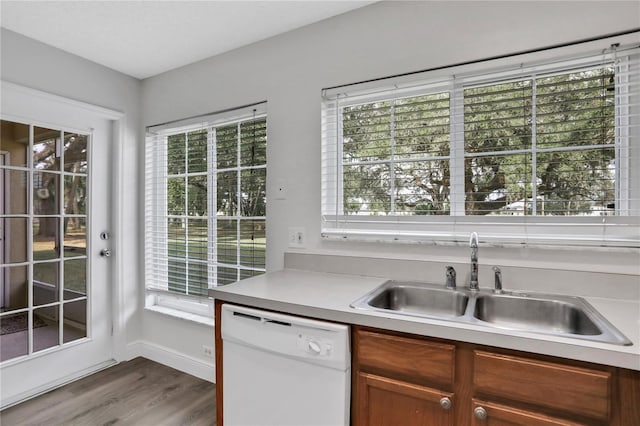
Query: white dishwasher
281	370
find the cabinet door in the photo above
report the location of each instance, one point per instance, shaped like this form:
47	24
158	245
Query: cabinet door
576	391
382	401
502	415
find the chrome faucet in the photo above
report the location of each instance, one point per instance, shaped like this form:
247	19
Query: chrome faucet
473	243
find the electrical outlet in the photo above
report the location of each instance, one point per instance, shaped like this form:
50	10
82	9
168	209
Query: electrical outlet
207	351
297	238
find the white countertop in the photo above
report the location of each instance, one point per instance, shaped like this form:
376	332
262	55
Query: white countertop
327	296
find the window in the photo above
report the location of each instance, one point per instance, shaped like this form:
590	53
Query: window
538	154
558	129
205	206
396	155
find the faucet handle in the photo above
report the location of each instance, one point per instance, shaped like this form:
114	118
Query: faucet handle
497	273
451	277
473	240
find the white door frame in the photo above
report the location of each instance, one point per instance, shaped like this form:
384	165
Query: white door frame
117	119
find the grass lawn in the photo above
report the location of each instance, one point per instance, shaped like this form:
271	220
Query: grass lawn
246	252
75	269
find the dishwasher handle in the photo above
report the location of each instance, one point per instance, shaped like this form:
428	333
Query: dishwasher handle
259	318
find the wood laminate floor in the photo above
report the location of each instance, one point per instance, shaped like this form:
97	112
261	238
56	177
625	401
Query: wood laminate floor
137	392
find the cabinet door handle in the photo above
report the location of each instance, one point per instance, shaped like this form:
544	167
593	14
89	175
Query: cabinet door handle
480	413
445	403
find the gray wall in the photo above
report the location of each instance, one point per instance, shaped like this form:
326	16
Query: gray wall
386	38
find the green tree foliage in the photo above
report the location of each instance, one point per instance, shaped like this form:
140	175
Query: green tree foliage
497	118
253	153
395	152
391	156
577	110
47	185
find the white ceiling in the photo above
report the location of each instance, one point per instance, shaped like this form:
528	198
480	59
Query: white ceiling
145	38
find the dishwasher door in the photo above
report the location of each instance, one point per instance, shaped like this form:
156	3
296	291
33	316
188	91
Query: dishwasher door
281	370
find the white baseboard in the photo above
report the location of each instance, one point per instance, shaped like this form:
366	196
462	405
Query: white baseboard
32	393
157	353
173	359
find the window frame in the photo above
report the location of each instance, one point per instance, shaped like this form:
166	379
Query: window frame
158	296
612	231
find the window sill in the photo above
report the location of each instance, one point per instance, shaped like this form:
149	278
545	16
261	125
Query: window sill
187	316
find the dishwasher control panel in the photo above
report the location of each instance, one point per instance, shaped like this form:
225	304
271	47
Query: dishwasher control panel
315	345
313	341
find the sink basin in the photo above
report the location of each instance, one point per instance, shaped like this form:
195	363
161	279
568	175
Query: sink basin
415	299
556	315
564	316
543	315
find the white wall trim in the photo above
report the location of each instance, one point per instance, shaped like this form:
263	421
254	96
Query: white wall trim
107	113
47	387
119	321
173	359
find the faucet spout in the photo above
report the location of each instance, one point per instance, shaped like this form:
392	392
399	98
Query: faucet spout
473	244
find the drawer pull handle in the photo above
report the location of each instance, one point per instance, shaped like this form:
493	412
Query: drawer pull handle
480	413
445	403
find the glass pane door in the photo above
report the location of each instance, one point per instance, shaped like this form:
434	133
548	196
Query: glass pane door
43	235
56	201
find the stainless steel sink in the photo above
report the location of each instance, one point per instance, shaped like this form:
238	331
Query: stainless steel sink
548	314
556	315
415	299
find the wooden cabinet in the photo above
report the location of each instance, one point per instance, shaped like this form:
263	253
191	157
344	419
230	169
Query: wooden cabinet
409	357
491	414
385	401
401	379
575	392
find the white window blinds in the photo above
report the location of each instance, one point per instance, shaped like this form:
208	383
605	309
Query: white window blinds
543	153
205	201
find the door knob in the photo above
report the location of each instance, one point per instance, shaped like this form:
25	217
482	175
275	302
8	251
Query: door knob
105	252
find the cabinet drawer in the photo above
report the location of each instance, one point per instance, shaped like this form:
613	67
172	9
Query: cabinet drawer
410	357
574	390
497	414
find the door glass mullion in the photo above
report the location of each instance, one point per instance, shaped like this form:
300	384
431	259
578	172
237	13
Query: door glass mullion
47	200
238	196
88	234
61	233
60	320
29	242
74	237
